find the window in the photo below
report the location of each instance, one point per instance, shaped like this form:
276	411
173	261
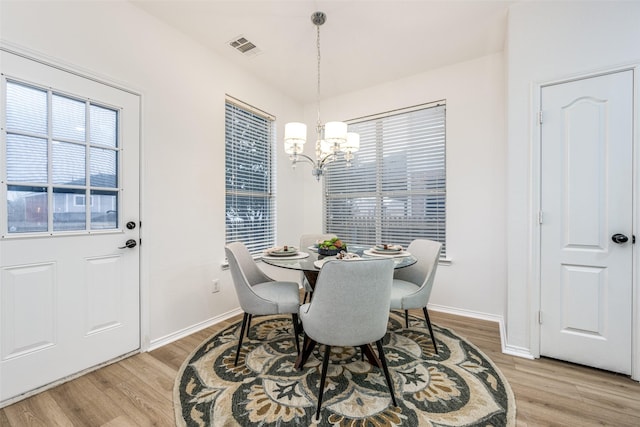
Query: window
395	189
249	176
59	149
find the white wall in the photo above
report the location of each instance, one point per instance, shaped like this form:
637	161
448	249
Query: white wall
549	41
183	88
476	151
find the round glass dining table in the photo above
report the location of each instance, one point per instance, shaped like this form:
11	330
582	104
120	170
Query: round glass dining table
309	266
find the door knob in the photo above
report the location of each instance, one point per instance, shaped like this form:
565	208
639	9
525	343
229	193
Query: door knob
619	238
129	244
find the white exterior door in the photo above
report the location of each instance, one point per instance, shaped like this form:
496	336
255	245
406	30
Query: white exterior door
69	289
586	199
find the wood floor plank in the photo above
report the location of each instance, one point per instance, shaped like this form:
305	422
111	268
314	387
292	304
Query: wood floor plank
39	410
138	391
84	403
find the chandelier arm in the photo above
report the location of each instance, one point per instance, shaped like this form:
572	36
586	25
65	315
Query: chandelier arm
305	157
329	158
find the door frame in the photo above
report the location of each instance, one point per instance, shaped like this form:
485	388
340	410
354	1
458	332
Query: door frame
143	280
535	285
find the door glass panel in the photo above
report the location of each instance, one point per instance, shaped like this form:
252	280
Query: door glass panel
104	210
27	209
26	109
68	163
103	126
68	118
103	167
47	194
26	159
69	209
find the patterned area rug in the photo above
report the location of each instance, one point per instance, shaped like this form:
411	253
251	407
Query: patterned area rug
458	387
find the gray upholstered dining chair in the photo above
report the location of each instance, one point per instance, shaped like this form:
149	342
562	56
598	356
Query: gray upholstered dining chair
350	307
412	285
307	240
259	294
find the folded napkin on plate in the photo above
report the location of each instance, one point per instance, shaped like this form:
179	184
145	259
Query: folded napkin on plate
387	247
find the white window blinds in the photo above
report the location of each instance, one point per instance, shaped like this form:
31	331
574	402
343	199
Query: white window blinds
395	190
249	177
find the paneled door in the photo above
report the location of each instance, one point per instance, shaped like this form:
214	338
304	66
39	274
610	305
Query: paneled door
69	260
586	221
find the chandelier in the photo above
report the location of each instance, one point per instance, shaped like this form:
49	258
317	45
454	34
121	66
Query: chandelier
332	138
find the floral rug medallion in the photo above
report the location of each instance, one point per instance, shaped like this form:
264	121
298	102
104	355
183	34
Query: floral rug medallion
460	386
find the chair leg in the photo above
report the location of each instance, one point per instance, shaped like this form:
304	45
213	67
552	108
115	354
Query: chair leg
245	318
406	318
304	299
249	324
307	348
385	368
325	365
296	330
433	338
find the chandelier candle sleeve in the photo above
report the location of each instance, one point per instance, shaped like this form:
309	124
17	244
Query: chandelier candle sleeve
335	133
295	135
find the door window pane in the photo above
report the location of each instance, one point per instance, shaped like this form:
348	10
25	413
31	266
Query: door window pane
26	109
27	209
68	118
26	159
68	163
103	168
67	214
104	123
104	210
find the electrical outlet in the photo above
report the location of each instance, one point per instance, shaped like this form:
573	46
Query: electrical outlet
215	286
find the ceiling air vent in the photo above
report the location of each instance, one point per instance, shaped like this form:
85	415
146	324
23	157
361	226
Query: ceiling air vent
244	46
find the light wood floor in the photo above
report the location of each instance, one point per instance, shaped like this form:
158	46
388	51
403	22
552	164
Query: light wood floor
138	391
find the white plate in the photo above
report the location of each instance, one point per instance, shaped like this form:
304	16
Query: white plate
291	250
386	254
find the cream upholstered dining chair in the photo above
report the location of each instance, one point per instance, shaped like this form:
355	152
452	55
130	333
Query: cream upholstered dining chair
350	307
259	294
307	240
412	285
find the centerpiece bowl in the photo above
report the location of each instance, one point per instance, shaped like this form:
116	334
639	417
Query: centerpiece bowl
331	247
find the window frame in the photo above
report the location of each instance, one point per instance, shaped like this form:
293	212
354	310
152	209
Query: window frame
267	236
351	189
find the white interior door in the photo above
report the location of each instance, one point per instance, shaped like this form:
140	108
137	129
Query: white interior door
69	290
586	199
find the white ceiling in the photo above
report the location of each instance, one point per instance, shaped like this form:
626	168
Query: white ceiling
363	42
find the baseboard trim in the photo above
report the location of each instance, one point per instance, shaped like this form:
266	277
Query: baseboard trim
506	349
167	339
513	350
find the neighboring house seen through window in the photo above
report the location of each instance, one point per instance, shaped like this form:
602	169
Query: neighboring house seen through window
395	189
249	176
